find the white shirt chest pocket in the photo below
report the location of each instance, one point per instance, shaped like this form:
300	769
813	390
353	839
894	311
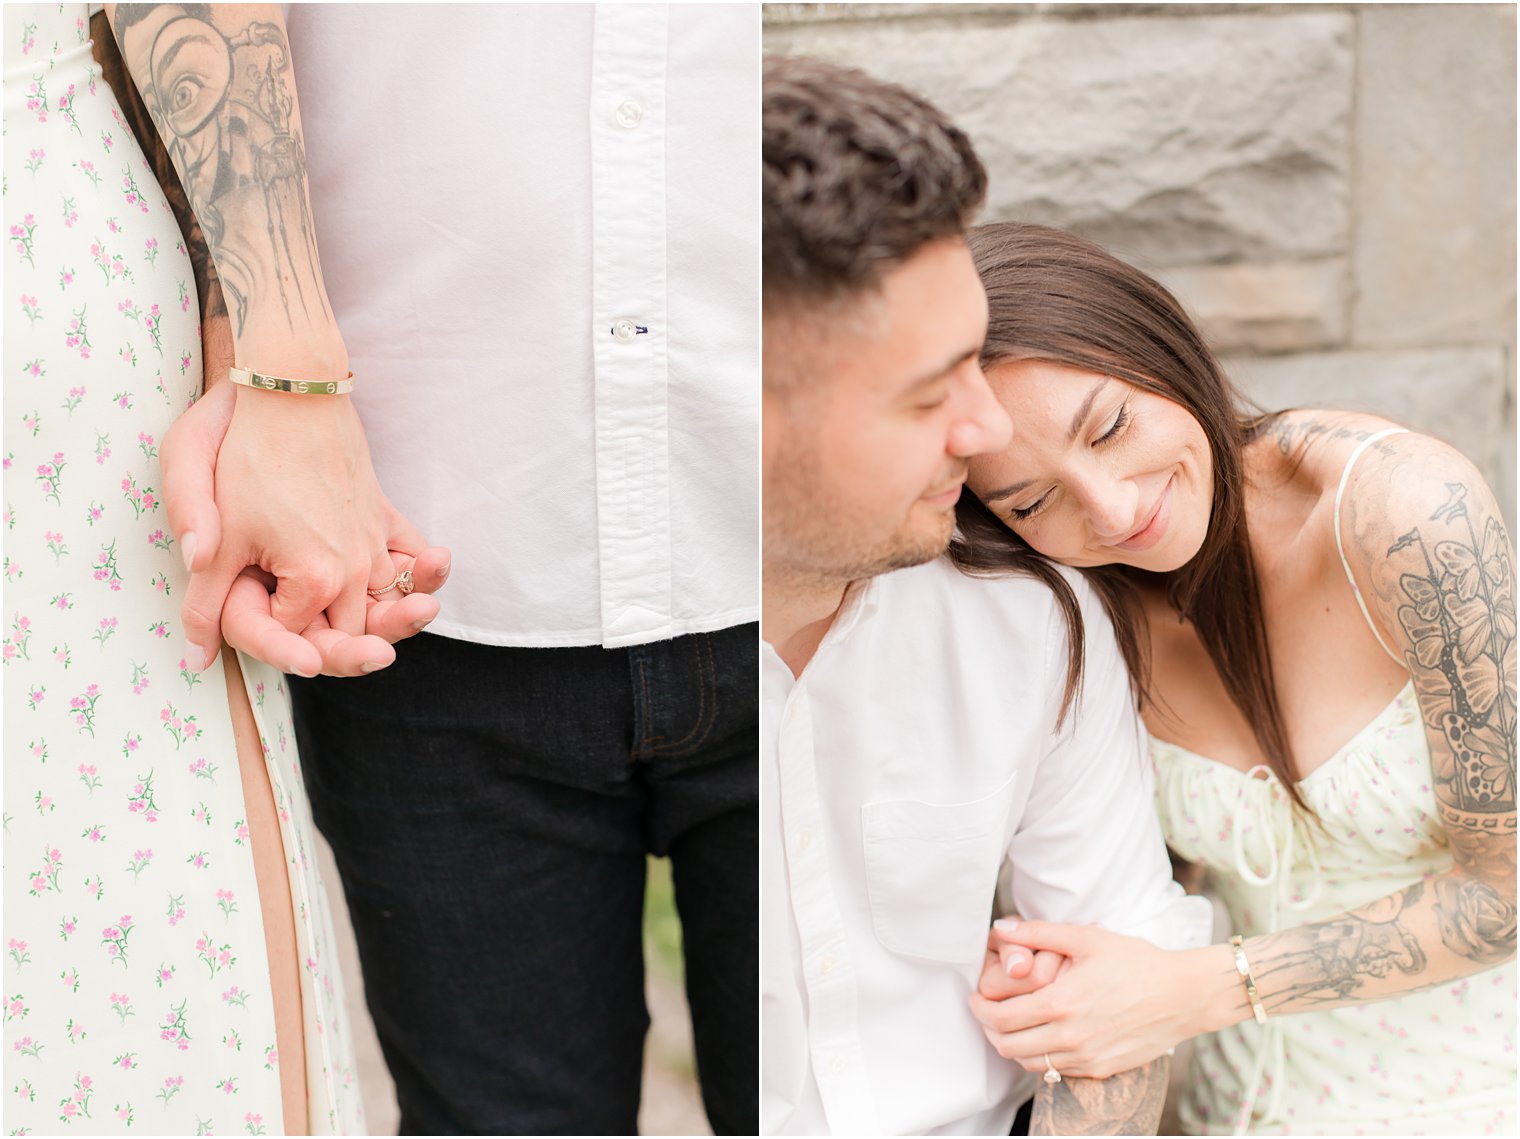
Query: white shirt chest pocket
931	872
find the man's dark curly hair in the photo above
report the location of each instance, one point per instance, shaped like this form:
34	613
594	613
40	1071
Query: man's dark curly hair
857	175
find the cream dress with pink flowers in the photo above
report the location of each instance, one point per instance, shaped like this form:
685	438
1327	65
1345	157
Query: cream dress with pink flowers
136	984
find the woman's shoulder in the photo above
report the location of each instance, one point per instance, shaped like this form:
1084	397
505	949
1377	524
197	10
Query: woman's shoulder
1318	448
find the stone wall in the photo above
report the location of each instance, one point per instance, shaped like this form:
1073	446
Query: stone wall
1329	188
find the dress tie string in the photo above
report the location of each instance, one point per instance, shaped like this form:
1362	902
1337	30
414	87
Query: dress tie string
1262	800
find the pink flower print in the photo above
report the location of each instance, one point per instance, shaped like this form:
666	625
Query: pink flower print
15	1007
121	1005
150	250
27	1048
173	1083
17	949
95	833
22	236
242	833
34	159
227	1085
271	1058
70	1110
67	927
254	1123
165	975
112	226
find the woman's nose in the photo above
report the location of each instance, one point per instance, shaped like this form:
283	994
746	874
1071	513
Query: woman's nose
1112	505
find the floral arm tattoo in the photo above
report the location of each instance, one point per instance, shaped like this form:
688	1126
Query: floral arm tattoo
216	82
1425	533
1128	1103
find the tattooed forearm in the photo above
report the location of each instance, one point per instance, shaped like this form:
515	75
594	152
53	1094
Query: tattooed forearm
1330	962
217	83
1128	1103
208	289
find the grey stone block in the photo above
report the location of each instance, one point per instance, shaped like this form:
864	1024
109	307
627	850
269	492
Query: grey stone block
1435	178
1187	139
1265	308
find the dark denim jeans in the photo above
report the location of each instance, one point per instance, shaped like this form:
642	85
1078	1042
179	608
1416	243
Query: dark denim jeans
491	809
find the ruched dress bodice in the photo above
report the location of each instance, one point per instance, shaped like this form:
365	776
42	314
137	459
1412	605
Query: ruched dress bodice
1434	1062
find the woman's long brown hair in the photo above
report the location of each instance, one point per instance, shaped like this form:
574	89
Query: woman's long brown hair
1057	297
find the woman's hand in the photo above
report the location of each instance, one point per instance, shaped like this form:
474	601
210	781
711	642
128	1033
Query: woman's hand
1115	1003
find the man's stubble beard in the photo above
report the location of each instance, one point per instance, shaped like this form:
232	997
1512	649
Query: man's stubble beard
809	533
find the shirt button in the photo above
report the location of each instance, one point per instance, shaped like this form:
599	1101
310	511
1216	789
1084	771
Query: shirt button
826	966
837	1064
629	114
805	839
624	329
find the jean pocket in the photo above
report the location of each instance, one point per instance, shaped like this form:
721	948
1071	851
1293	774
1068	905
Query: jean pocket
931	872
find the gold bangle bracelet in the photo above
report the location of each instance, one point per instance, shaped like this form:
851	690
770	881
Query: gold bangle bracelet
248	378
1243	967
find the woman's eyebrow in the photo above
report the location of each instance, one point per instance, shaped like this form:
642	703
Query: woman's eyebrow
1077	419
1008	491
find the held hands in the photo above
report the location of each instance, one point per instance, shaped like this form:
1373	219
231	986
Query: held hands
1096	1002
291	478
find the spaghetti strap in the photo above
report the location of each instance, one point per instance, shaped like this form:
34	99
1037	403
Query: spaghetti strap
1340	547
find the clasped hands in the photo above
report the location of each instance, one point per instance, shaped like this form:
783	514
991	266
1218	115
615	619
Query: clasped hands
1097	1003
283	527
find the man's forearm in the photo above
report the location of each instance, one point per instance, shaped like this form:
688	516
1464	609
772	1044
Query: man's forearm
1125	1104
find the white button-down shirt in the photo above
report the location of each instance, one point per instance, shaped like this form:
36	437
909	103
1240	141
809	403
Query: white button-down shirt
539	228
915	761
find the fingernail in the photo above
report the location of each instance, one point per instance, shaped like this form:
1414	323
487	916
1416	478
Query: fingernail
187	548
195	656
443	570
421	625
1006	925
372	666
1013	959
301	672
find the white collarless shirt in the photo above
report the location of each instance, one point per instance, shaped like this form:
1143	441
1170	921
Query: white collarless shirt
539	228
914	763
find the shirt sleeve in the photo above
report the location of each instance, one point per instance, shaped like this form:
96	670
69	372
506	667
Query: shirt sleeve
1089	848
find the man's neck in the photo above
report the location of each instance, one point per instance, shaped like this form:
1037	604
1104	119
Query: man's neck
797	613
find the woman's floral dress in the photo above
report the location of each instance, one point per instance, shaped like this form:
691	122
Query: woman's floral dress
136	982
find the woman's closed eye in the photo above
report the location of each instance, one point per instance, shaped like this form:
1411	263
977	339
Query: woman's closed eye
1115	429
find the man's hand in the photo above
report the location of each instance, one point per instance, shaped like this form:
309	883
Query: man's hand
1011	970
1097	1018
249	625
